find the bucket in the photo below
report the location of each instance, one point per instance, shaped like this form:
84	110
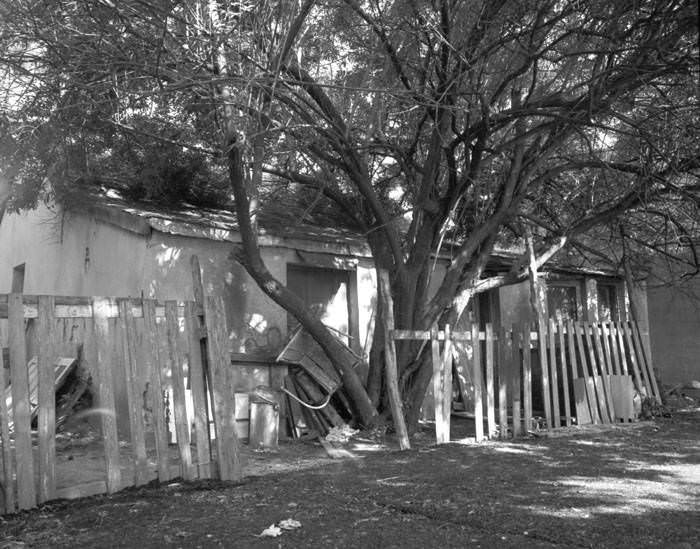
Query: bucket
264	418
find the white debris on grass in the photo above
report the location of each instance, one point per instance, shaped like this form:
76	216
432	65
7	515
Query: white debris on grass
275	530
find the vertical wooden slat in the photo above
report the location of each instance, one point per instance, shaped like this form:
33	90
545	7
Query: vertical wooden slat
633	359
546	392
605	372
447	382
556	414
8	469
199	399
179	406
26	492
612	334
605	336
46	421
219	360
477	377
619	329
645	357
597	373
504	355
105	391
515	381
527	375
130	364
579	330
647	375
564	371
438	393
152	362
490	397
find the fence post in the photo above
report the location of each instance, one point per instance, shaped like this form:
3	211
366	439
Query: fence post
478	384
46	421
390	367
7	465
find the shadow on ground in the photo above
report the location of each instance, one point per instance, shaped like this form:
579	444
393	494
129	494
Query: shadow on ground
634	486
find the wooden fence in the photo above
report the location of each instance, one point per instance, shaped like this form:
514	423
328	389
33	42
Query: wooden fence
153	349
574	372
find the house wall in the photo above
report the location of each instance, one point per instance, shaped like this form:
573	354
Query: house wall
674	326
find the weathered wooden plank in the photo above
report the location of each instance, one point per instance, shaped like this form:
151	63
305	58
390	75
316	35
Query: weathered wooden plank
219	360
478	384
105	392
605	416
26	492
490	396
542	352
197	387
515	381
504	355
619	328
647	374
605	372
8	472
134	394
391	368
46	422
441	430
564	371
556	413
152	363
607	351
633	359
579	329
429	335
527	376
447	380
583	411
615	348
182	426
645	354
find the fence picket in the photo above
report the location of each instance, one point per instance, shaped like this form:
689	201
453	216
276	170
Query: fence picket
199	399
544	370
8	472
21	416
633	359
46	422
490	404
587	377
503	362
152	364
564	371
556	414
515	381
105	391
478	384
130	364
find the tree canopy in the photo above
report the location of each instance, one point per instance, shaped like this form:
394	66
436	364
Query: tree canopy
416	123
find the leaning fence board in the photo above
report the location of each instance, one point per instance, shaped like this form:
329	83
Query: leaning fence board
605	415
621	343
515	382
504	356
614	347
447	380
604	369
544	371
26	493
564	371
7	465
587	377
199	401
130	364
442	429
46	422
527	376
477	377
647	374
490	397
556	413
633	359
152	363
182	427
104	343
645	354
219	360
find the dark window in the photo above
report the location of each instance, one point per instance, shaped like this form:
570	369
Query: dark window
562	300
607	303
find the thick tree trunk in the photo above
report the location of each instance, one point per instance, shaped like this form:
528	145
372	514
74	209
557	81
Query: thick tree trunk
340	356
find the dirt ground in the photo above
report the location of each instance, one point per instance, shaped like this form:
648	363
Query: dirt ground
625	486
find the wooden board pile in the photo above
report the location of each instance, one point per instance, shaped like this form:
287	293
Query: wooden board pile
315	399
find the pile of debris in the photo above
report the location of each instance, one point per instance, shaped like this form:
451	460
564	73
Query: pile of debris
682	396
315	399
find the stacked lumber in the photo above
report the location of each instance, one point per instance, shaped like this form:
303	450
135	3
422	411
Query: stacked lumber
310	411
